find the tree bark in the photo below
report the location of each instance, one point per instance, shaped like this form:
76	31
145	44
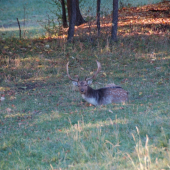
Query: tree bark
64	18
115	20
79	18
98	16
72	19
69	9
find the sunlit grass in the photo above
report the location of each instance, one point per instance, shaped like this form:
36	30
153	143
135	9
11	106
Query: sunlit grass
15	29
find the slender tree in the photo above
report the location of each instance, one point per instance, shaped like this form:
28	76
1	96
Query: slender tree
98	16
115	20
64	18
72	19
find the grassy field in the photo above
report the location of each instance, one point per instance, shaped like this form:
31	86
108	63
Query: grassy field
44	122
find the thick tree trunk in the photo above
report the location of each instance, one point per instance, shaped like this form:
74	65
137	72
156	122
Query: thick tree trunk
79	18
69	9
115	20
64	18
98	16
72	19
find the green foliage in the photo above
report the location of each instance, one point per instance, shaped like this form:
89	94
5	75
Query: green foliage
54	20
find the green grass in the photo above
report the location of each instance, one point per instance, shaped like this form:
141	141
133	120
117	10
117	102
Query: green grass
28	14
45	125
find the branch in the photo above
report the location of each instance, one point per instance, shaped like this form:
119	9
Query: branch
19	29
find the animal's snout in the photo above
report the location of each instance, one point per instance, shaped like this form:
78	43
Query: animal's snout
82	90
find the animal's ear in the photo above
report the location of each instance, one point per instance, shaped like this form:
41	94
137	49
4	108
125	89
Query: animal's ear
90	82
75	83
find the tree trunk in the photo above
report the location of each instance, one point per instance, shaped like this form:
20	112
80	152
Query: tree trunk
64	18
98	16
79	18
72	19
69	9
115	20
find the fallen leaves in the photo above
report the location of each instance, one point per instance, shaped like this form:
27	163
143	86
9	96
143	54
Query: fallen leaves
140	93
148	19
9	110
6	47
104	74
